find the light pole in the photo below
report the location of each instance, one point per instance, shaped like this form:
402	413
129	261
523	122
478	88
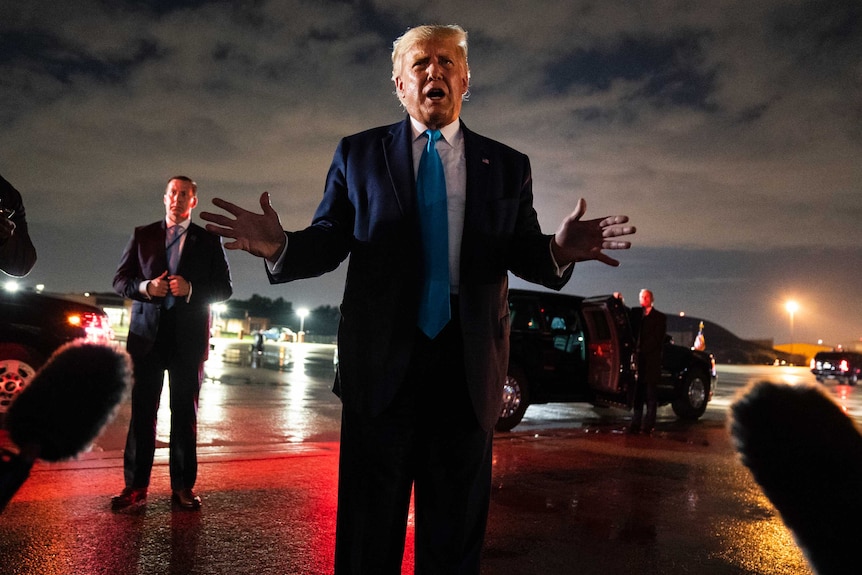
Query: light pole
302	313
792	307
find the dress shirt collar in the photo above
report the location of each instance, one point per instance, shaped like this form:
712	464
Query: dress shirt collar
184	224
448	131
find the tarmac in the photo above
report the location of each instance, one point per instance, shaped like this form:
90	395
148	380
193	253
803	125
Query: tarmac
586	501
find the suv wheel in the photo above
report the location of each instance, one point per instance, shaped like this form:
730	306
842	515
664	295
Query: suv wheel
690	403
516	398
18	365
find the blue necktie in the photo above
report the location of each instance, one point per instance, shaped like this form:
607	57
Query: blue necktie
434	227
172	246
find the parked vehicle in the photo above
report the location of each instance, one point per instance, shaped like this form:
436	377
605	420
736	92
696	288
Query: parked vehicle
277	334
571	348
842	366
32	326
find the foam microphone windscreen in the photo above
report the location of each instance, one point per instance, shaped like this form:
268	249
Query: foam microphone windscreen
71	398
806	455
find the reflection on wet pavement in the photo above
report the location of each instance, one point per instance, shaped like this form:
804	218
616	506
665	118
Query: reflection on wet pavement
661	504
308	359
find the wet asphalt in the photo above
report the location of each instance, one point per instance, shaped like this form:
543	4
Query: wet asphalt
591	500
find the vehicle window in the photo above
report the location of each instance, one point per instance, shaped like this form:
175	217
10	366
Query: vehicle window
600	329
566	329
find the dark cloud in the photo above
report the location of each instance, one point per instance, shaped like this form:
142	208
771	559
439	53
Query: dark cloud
667	71
730	131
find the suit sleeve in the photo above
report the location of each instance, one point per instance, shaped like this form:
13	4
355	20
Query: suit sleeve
17	254
129	275
530	250
217	285
322	246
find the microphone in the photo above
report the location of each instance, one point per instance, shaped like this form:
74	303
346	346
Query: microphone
63	409
806	455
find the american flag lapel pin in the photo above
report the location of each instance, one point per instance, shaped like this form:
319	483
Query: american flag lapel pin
486	161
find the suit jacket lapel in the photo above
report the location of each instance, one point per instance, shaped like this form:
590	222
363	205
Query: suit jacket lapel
478	167
159	235
398	154
189	246
476	210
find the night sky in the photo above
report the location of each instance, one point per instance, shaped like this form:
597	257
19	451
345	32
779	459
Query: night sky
729	131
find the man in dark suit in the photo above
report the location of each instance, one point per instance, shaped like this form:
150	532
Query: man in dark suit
17	254
649	327
419	405
173	269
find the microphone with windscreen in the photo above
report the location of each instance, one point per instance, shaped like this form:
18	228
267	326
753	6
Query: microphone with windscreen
63	409
805	453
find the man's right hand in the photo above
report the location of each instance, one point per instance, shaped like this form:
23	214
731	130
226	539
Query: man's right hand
258	234
158	287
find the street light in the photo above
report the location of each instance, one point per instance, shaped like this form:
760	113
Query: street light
302	313
792	307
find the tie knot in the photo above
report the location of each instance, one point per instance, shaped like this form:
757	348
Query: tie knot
173	235
433	136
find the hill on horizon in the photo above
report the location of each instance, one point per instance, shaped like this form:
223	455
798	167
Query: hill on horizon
725	345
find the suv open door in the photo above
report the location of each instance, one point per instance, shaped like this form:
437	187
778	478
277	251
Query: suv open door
607	334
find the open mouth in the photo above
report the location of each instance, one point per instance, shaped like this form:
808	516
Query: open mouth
436	94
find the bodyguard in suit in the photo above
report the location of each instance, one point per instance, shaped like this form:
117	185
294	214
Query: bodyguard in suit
173	269
421	375
649	327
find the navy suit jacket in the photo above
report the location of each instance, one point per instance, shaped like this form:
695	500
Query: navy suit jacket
202	263
369	212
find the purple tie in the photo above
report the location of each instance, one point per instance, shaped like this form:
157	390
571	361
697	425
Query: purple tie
172	245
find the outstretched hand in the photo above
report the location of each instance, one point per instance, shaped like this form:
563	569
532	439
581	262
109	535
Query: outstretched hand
579	240
258	234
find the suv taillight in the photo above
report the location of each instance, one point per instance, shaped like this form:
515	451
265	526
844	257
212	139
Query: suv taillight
844	366
95	326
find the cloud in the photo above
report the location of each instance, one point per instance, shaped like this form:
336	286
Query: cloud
721	126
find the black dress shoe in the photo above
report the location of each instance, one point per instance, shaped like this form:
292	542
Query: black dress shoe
128	498
186	499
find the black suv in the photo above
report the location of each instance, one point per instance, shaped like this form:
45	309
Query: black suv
842	366
32	326
571	348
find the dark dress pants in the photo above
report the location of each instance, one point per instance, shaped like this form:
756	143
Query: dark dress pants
184	380
646	393
427	440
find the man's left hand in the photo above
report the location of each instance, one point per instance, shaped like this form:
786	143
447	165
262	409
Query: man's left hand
579	240
258	234
178	285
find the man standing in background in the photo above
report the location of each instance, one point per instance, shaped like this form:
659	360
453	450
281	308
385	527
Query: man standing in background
649	327
173	270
